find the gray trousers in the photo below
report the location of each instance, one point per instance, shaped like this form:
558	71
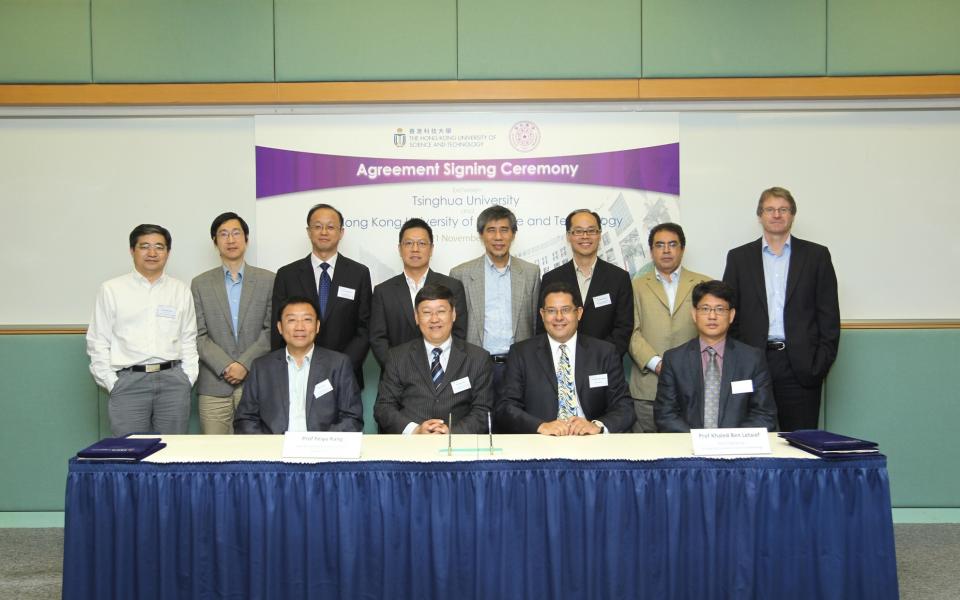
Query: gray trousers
150	402
644	411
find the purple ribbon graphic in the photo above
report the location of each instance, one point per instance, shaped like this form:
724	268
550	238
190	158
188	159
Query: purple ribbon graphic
656	168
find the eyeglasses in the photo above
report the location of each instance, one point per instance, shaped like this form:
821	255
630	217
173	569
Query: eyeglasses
580	232
225	235
717	310
409	244
661	245
318	227
149	247
563	310
769	210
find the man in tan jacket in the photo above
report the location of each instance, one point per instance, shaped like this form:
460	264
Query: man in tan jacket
661	317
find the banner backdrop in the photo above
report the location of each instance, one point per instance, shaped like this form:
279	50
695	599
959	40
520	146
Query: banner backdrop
445	168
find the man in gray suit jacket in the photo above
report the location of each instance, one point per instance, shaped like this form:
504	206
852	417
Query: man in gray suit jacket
392	319
713	380
429	378
301	387
502	290
232	302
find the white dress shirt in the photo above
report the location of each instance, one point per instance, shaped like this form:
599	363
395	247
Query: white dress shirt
135	322
316	262
572	355
297	378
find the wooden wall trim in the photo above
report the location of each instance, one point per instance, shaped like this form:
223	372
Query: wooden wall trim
756	88
849	325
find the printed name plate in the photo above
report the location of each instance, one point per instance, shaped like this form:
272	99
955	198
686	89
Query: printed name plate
321	444
745	440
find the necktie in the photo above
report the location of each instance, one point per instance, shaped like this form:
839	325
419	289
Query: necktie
324	289
711	391
436	371
565	388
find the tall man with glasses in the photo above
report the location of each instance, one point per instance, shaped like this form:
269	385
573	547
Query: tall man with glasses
392	318
233	323
714	381
604	288
661	317
142	341
563	382
789	307
340	286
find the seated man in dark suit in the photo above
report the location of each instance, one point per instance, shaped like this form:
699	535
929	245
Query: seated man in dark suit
301	387
391	314
713	380
427	379
562	382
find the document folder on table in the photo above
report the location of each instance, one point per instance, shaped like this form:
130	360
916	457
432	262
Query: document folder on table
121	448
830	445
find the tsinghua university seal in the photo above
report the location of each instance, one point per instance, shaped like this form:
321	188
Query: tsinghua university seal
524	136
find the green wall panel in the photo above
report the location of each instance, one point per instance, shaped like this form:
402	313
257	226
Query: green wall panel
49	405
332	40
45	42
734	38
885	37
549	39
182	40
899	388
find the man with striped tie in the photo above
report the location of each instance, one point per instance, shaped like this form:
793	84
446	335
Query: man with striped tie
561	382
427	380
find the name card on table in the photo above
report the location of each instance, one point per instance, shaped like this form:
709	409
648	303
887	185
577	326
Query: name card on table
745	440
321	444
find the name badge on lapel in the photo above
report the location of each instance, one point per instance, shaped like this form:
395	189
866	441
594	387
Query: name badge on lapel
166	312
602	300
345	292
459	385
322	388
598	380
744	386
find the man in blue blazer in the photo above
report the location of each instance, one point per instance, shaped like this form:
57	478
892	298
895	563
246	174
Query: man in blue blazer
714	381
336	284
563	382
392	319
301	387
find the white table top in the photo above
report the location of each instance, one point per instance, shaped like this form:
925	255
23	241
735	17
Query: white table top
466	447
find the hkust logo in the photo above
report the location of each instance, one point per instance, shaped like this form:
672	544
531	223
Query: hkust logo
524	136
400	138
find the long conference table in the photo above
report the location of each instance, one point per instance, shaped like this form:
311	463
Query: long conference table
615	516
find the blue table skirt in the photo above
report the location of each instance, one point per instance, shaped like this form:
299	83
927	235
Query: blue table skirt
770	529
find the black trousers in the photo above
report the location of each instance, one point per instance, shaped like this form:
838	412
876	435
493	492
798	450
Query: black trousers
798	406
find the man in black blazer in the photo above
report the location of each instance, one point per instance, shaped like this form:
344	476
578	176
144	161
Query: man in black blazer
392	319
344	283
563	382
603	288
741	392
788	305
300	387
427	379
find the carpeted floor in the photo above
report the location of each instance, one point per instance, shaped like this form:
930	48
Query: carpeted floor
928	562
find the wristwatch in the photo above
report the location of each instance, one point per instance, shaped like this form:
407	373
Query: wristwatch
598	424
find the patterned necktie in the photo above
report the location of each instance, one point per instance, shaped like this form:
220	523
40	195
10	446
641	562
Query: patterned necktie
565	389
324	289
711	391
436	371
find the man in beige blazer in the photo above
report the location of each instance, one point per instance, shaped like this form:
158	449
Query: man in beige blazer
232	302
661	317
502	290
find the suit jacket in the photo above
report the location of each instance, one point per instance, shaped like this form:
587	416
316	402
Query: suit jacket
216	342
407	394
655	328
679	403
391	313
265	403
345	326
530	386
524	296
612	322
811	313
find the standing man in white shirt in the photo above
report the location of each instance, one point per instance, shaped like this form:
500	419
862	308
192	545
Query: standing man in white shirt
142	341
233	323
662	301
